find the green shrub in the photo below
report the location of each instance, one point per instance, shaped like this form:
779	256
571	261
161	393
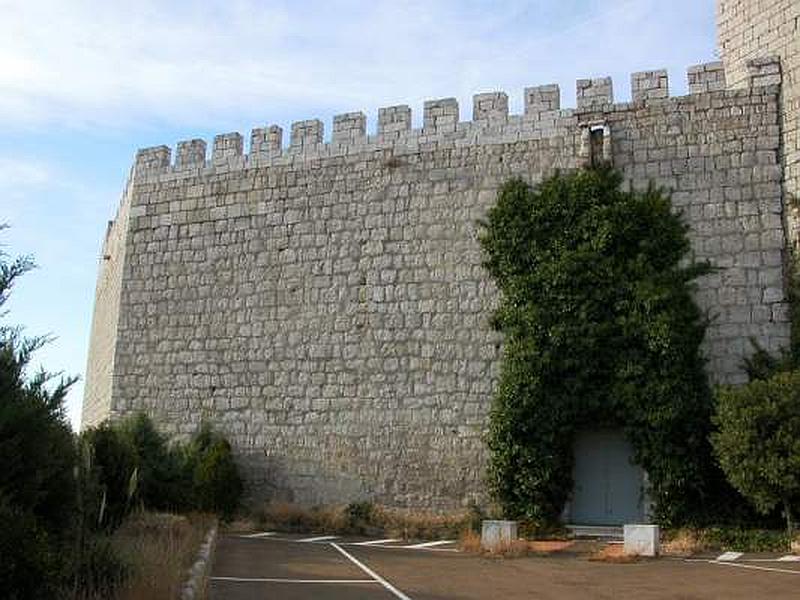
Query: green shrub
758	441
163	481
359	516
99	570
37	486
115	469
36	443
600	329
30	567
133	465
746	539
216	483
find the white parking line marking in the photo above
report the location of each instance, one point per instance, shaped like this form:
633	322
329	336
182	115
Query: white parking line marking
429	544
741	566
275	580
729	556
321	538
376	542
789	558
263	534
371	573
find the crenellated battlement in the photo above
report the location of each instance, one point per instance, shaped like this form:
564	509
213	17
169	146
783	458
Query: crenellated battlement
543	117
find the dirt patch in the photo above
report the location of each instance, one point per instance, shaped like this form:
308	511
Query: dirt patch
550	546
614	553
470	542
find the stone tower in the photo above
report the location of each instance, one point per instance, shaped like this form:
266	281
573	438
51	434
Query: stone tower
750	31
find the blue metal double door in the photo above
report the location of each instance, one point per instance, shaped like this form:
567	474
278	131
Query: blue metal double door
609	485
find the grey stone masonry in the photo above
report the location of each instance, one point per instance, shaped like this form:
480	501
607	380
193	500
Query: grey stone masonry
191	153
764	71
709	77
306	134
594	93
751	34
440	115
349	128
393	121
648	85
492	106
227	146
266	141
541	99
157	157
326	307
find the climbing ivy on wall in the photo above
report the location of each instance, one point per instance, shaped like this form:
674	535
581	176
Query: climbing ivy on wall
600	330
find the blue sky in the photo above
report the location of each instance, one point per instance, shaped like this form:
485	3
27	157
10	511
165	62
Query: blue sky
83	84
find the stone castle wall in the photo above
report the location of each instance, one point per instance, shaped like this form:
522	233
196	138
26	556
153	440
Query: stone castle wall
324	304
751	30
103	339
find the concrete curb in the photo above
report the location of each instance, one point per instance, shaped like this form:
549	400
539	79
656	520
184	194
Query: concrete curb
195	586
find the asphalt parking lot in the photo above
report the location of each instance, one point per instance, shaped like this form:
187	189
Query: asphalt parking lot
287	567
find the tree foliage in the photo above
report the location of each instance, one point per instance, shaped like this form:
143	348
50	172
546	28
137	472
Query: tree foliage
37	456
215	477
758	441
163	482
114	471
61	495
136	466
600	329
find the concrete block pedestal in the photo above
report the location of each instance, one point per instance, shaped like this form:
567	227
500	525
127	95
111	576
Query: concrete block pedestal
498	534
642	540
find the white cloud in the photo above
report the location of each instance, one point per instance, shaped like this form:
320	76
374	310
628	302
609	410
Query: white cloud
89	63
18	173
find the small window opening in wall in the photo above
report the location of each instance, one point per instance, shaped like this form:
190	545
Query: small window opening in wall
596	146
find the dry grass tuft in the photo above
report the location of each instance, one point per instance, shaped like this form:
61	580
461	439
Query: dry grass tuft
470	541
161	548
513	549
284	516
549	546
614	553
370	519
421	525
242	525
684	542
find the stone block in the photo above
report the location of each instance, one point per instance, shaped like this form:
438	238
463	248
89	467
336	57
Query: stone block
394	119
157	157
349	128
708	77
266	141
497	534
440	114
647	85
642	540
191	153
542	98
306	134
764	71
227	146
492	106
593	94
